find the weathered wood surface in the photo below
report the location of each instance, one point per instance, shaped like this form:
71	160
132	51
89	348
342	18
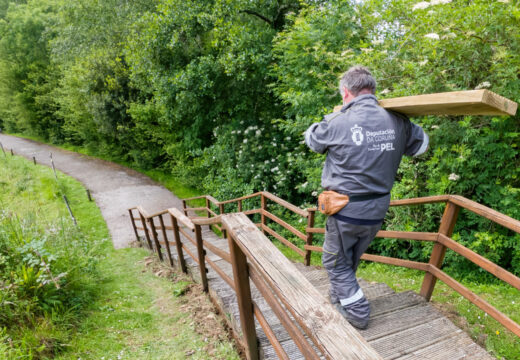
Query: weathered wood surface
311	309
403	326
471	102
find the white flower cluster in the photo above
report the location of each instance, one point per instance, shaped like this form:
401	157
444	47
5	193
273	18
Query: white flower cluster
453	177
421	5
425	4
432	36
251	128
483	85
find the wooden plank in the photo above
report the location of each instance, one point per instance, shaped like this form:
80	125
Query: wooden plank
285	204
308	242
215	250
448	221
486	212
420	201
166	241
289	227
289	347
475	299
469	102
407	235
459	347
240	198
205	220
414	338
181	218
383	305
397	322
282	239
280	352
243	291
481	261
396	262
287	322
310	308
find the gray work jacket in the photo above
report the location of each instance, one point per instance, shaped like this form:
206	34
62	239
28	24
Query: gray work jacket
364	145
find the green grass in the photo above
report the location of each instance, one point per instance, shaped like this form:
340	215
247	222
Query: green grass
139	316
131	313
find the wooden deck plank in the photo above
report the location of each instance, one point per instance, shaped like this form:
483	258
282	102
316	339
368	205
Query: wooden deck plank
455	348
412	339
399	321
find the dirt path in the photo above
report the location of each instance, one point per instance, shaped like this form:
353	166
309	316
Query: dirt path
115	188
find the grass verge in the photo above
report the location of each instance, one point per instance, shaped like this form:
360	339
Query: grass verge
109	304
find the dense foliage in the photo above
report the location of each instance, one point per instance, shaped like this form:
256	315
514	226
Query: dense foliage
219	93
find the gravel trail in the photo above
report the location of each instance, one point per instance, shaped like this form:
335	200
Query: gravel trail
115	188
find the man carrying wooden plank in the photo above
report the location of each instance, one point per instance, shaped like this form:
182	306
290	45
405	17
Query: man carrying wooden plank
364	145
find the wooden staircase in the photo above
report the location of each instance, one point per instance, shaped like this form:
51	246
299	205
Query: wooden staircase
403	325
283	305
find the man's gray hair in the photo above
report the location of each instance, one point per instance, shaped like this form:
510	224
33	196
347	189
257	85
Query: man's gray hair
357	78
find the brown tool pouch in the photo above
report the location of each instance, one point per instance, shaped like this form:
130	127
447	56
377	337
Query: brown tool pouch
330	202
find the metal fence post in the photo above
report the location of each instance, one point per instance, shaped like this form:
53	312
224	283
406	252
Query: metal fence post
448	221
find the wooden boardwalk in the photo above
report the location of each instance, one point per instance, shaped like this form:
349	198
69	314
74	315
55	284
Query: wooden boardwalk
403	325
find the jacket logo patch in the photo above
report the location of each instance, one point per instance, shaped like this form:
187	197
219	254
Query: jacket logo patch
357	134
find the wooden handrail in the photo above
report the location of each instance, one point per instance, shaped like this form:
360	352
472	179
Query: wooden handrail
311	310
285	204
442	240
186	221
240	198
488	213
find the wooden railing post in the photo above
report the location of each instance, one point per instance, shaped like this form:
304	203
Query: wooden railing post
146	234
166	242
239	205
184	207
448	221
263	206
310	224
178	244
207	211
156	239
221	211
245	305
202	257
133	225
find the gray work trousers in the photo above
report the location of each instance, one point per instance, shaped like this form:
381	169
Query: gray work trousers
342	250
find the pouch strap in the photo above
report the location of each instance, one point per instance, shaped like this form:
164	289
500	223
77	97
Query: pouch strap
363	197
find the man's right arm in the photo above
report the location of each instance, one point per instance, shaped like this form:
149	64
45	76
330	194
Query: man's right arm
317	136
